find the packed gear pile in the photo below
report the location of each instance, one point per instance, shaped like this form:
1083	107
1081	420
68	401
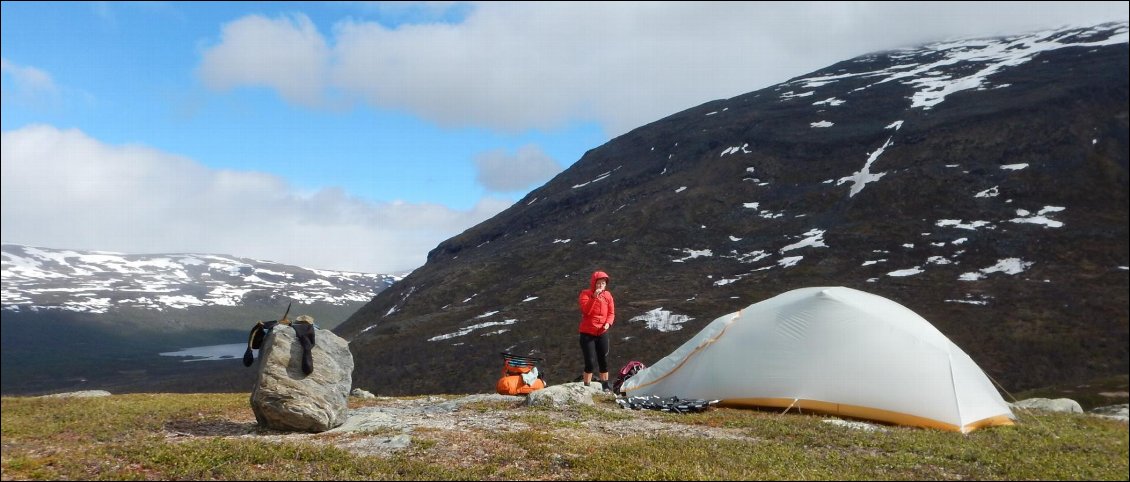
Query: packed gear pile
631	368
520	375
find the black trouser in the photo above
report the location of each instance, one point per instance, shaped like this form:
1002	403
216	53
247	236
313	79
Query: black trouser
595	348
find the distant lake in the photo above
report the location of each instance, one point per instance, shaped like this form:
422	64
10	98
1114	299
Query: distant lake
210	352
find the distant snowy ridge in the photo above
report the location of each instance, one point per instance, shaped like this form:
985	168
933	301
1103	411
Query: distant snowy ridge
96	281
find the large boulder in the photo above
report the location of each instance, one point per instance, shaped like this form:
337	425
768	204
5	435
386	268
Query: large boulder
1050	405
1116	412
558	396
284	398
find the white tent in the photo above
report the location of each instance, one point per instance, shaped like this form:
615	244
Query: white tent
831	350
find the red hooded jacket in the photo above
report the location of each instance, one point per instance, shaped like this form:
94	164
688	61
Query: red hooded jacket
596	311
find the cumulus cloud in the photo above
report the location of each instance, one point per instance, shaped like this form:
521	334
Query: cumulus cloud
501	171
136	199
27	85
540	65
287	54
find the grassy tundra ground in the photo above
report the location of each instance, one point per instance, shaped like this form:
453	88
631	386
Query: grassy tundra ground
215	437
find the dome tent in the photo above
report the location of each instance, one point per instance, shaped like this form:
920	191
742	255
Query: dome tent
833	350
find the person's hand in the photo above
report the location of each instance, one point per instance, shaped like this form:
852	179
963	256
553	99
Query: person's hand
607	326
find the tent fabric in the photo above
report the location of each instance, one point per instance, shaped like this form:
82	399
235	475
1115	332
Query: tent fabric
832	350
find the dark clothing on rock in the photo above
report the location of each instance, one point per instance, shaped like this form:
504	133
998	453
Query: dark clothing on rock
305	334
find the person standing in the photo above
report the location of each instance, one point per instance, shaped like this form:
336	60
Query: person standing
598	313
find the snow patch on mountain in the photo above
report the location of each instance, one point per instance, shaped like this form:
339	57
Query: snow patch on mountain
97	282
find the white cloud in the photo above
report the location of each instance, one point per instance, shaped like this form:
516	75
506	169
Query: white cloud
287	54
501	171
26	85
517	66
135	199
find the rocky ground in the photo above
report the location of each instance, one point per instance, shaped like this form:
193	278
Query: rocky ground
386	425
463	430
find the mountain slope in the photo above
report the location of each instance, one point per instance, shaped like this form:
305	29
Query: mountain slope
981	183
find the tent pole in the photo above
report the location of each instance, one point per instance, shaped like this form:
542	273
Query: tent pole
790	407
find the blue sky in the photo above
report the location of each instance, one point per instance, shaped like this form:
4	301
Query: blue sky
358	135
